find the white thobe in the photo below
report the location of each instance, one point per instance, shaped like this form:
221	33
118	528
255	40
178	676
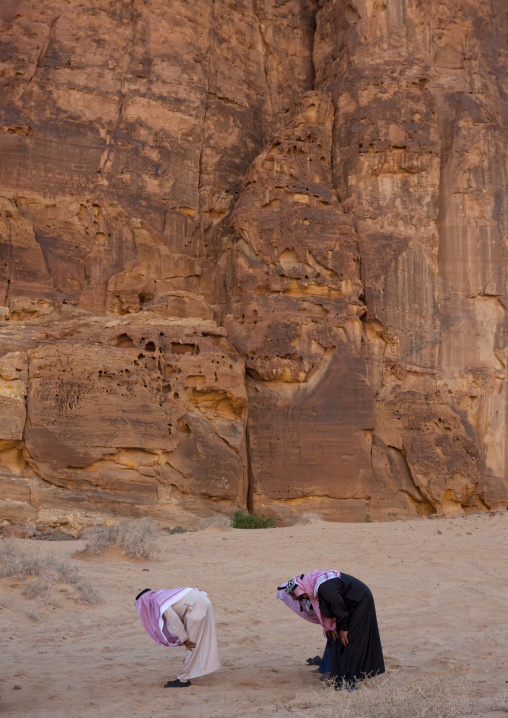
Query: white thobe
192	618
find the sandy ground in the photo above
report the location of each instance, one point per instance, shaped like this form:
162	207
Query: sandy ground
440	586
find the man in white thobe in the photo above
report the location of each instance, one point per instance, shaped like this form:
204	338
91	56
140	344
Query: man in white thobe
191	619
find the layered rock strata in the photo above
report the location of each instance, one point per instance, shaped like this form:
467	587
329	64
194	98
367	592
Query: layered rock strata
253	254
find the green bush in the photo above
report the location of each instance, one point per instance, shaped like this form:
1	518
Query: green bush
241	520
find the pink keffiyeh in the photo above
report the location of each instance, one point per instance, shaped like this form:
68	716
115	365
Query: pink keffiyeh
151	606
309	584
299	608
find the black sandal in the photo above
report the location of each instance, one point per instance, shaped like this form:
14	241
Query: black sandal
314	661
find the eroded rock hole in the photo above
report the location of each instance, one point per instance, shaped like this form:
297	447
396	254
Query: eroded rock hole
124	340
185	428
184	348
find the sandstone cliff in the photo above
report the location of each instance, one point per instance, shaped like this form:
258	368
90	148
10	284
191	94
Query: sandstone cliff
253	253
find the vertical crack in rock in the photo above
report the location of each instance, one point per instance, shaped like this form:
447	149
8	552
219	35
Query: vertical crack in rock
24	272
11	265
44	49
249	493
200	245
211	42
266	55
313	27
103	168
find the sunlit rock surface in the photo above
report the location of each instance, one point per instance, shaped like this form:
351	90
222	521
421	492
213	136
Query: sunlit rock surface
253	254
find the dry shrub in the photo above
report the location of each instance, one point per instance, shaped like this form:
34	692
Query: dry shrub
39	588
90	594
5	601
14	562
501	703
33	615
399	696
100	537
136	537
47	571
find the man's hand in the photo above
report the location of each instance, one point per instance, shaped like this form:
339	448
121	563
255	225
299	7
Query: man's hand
189	644
343	637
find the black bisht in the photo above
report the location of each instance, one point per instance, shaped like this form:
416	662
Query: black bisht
351	603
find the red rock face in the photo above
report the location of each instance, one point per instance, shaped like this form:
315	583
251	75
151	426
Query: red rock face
253	253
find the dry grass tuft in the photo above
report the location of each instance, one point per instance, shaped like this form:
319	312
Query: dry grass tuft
501	703
39	588
5	601
399	696
33	615
90	594
136	537
46	571
100	537
14	562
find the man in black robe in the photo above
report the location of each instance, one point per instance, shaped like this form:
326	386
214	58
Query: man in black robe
357	652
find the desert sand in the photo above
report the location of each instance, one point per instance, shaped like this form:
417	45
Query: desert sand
440	587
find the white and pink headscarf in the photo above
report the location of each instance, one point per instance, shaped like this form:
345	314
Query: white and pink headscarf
309	584
151	606
301	609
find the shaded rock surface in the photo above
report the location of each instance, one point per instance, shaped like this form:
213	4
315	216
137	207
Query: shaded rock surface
253	254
